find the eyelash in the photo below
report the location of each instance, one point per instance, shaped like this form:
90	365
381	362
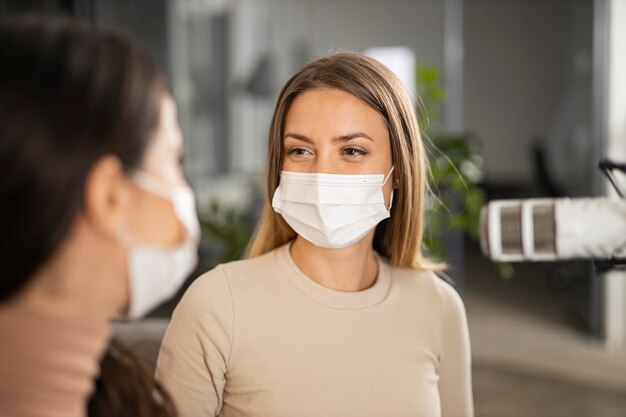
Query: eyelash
355	151
295	151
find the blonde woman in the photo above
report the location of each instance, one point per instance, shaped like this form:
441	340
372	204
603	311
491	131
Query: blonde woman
335	312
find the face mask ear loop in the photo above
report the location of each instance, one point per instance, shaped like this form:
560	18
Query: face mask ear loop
384	182
388	175
153	185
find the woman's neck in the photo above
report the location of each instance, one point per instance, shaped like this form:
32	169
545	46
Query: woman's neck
354	268
79	283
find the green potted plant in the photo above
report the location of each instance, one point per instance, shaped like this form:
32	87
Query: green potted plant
226	232
456	169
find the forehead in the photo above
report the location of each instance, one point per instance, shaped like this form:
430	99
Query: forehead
168	130
333	111
167	136
163	152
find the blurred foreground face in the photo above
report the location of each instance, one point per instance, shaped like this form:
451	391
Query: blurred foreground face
162	230
152	219
331	131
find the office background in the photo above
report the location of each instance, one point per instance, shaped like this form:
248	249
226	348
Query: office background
532	86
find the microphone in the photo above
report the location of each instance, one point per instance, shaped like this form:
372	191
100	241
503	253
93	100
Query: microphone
553	229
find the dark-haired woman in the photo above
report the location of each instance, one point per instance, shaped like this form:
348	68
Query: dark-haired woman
96	218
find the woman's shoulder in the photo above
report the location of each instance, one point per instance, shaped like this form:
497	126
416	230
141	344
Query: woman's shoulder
227	274
429	284
216	291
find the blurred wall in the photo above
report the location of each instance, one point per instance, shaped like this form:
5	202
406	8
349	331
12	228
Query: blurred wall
527	77
513	60
615	288
286	34
143	20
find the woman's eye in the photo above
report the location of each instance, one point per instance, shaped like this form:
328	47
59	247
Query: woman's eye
354	152
297	151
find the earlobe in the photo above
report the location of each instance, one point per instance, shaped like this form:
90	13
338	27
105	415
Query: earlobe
105	196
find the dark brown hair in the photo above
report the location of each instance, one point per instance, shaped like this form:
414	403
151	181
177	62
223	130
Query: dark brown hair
123	387
69	95
399	238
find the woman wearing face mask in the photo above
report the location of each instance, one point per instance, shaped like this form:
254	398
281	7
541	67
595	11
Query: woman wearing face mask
336	311
96	218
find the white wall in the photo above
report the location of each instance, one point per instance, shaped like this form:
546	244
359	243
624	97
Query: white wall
615	282
294	32
514	51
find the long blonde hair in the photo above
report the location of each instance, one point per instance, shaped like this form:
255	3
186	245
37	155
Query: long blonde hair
399	237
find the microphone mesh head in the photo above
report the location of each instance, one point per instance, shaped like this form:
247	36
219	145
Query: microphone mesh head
544	229
511	230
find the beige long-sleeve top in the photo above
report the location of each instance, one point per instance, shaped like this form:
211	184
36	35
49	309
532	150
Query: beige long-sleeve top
47	365
259	338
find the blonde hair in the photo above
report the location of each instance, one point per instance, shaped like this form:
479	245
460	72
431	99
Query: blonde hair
399	237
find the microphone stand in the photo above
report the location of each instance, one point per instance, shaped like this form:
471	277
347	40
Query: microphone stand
607	167
605	265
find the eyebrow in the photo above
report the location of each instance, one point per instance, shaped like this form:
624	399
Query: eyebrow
342	138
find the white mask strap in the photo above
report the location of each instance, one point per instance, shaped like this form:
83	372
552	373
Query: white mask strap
152	184
384	182
180	196
388	175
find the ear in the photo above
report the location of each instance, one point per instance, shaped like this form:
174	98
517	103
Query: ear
106	196
396	183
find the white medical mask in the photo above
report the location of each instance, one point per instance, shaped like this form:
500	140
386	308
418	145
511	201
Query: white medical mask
156	273
331	210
